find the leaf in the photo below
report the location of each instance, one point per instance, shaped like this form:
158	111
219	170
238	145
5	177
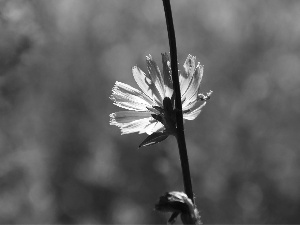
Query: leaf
154	139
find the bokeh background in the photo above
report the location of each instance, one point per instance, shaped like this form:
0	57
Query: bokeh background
61	162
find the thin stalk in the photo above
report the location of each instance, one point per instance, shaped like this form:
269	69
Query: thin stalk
179	118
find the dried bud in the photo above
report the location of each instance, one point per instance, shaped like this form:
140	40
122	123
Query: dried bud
179	203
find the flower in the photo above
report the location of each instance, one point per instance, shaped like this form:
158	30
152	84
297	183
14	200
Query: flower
152	110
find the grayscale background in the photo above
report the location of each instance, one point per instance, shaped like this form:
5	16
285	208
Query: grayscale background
62	163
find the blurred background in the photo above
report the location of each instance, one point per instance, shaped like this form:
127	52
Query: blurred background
61	162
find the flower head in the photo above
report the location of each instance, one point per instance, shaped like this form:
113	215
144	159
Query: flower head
152	110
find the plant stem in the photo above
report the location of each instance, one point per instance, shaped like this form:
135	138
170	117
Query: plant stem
179	118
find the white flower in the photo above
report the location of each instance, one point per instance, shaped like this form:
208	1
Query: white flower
152	110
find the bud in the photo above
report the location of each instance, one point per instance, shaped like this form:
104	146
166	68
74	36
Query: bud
179	203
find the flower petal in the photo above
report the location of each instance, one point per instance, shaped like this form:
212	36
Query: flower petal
153	127
135	126
130	98
188	106
167	74
147	85
192	91
191	115
191	105
187	76
155	75
127	117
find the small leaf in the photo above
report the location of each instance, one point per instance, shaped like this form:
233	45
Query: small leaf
154	138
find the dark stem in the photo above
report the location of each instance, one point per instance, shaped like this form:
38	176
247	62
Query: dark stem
179	118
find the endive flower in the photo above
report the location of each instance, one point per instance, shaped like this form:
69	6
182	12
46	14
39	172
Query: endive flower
152	110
